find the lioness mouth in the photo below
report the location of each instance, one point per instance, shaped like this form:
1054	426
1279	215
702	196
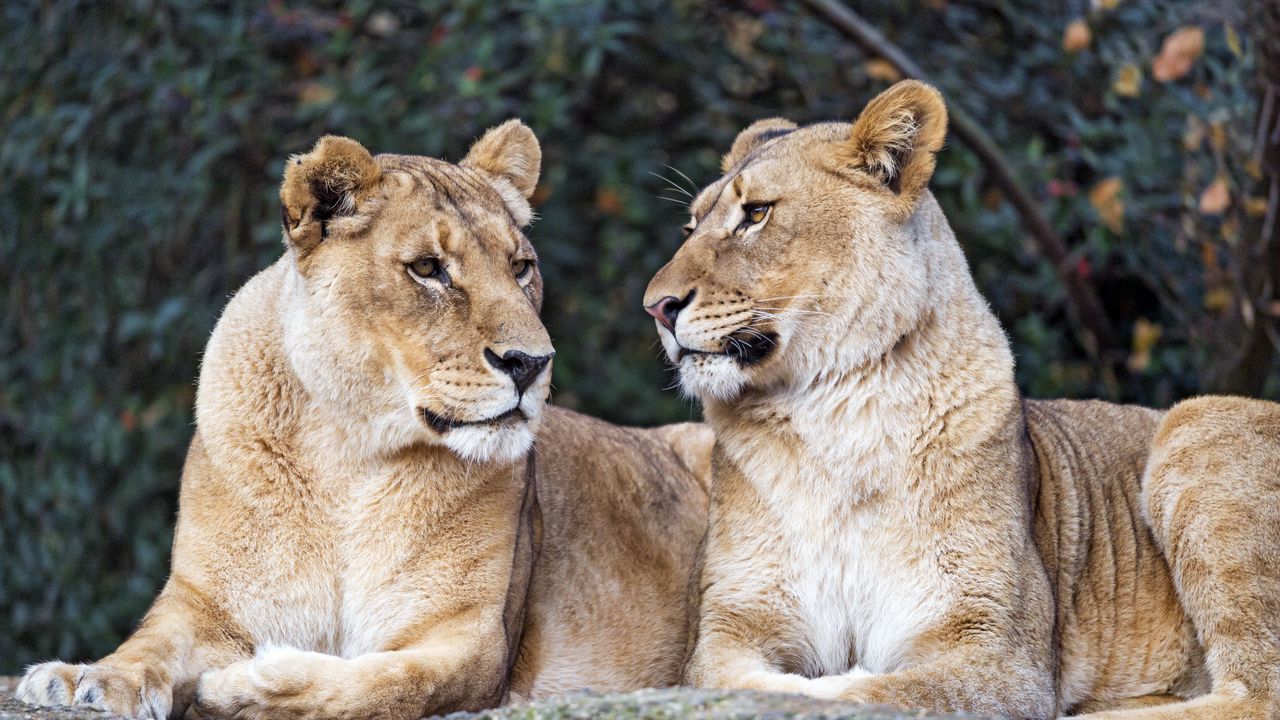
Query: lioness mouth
746	346
440	424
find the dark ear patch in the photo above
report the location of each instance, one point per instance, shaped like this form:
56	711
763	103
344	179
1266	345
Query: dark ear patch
329	200
330	181
757	133
768	135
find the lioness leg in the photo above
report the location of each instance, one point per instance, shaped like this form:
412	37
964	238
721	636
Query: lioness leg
1212	497
1142	701
178	638
458	665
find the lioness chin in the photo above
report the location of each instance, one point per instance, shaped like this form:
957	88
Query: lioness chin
890	521
358	523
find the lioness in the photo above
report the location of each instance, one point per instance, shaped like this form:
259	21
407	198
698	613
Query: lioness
357	524
890	522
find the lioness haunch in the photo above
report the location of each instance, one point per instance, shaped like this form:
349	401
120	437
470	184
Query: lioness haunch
356	527
891	522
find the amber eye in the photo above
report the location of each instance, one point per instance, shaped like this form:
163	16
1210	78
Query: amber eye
755	212
427	268
523	269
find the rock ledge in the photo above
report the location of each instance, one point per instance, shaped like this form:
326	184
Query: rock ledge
666	704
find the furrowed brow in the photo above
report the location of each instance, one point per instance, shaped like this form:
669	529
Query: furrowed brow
707	200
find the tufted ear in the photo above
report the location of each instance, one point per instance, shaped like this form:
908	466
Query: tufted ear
326	183
896	136
756	134
508	152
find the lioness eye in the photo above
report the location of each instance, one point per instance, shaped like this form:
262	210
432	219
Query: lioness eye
427	268
688	230
522	269
756	212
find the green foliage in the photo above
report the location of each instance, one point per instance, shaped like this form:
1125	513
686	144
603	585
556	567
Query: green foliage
143	144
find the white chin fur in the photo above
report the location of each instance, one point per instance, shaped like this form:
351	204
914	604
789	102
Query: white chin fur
482	443
711	377
504	443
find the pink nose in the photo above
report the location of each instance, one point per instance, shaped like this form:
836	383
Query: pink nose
665	311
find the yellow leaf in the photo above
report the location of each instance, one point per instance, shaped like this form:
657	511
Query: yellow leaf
1077	36
1105	198
1255	206
1217	299
1218	135
1177	54
1233	41
1194	134
1145	336
1105	4
316	93
881	69
743	33
1128	81
1216	198
1230	231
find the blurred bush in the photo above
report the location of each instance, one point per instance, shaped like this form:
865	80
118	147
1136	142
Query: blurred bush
143	142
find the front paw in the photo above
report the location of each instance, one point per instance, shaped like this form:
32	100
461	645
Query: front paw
777	682
847	686
279	683
49	684
135	692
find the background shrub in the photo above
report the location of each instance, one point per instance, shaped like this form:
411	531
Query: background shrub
143	142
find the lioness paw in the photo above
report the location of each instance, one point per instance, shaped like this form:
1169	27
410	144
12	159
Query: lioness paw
134	692
48	684
278	683
771	681
839	687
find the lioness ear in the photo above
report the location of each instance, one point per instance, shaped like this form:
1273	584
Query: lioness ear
756	134
896	136
508	152
328	182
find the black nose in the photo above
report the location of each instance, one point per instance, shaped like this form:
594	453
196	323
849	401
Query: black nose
668	309
522	367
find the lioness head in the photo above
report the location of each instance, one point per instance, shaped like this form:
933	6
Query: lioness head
413	311
809	253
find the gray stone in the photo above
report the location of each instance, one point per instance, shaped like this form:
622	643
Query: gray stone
666	704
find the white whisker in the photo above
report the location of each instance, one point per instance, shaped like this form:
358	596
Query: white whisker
689	180
672	183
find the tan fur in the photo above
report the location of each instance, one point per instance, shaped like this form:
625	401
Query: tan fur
337	554
623	515
890	521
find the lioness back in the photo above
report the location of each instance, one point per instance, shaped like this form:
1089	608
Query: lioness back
623	513
1100	554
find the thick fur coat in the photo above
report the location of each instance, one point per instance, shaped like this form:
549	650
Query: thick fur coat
890	521
361	532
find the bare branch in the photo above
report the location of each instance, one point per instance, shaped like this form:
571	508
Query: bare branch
1095	328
